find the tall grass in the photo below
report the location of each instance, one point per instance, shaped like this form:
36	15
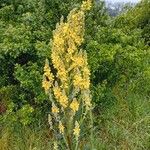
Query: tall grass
25	138
124	126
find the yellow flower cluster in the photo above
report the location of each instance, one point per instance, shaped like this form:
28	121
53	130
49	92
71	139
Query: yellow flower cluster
86	5
74	105
55	109
76	130
71	88
60	96
80	82
59	65
76	27
61	127
48	77
67	37
78	60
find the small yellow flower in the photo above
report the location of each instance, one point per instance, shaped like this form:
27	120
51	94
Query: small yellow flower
47	72
86	72
60	97
77	80
86	5
74	105
55	109
63	100
47	77
76	130
78	61
57	92
61	127
85	84
46	85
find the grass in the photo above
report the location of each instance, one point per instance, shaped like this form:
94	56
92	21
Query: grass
124	126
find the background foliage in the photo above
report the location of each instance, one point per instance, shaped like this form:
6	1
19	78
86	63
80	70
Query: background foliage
119	59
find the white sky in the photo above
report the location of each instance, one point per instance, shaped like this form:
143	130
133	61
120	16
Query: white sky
123	1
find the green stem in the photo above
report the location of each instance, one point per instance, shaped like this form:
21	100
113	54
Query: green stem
91	136
66	142
77	143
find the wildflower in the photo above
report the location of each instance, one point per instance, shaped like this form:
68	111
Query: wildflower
55	109
72	73
86	72
62	74
63	100
47	77
60	97
85	84
46	85
86	5
78	61
74	105
57	92
82	83
71	46
61	127
76	130
77	82
47	72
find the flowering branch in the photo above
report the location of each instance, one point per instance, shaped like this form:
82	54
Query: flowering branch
70	89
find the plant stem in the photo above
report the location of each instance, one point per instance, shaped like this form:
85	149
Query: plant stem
76	148
66	143
91	136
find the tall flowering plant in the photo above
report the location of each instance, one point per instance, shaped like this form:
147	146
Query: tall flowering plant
68	89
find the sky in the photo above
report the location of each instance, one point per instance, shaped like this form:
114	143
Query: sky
134	1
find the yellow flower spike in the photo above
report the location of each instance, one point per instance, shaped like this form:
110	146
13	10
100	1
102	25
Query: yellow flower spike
47	72
63	100
74	105
48	77
71	46
85	84
86	5
78	60
77	82
57	92
76	130
86	72
46	67
61	127
46	85
60	96
66	28
72	73
62	74
55	109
